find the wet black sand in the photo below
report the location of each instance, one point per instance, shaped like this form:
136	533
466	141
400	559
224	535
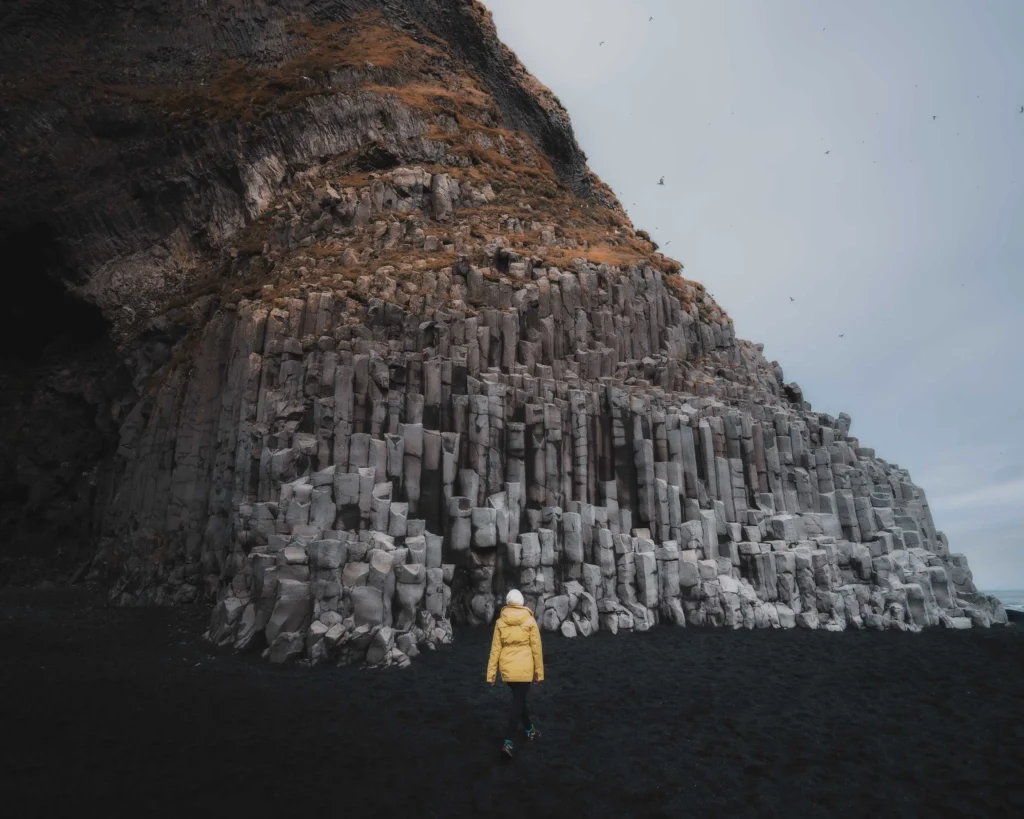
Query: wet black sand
128	712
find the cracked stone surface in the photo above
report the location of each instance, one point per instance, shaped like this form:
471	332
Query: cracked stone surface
417	355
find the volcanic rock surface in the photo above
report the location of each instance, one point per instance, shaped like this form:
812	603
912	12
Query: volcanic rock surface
348	338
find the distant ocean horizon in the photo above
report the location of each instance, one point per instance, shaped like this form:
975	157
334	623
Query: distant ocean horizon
1010	598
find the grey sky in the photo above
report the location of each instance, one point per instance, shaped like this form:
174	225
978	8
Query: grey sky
908	237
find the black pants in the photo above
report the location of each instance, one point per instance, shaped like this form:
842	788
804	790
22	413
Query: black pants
518	709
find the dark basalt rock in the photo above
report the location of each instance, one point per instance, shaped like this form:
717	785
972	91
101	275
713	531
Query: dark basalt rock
342	334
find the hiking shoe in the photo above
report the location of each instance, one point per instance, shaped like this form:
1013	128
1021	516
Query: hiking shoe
506	749
532	733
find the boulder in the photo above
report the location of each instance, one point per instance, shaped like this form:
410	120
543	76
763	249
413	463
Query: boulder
806	619
787	528
327	554
226	615
367	605
380	645
646	567
355	574
292	609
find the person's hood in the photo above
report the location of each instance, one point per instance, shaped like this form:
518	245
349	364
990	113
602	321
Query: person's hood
515	615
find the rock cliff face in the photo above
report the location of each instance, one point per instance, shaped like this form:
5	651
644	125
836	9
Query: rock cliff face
369	345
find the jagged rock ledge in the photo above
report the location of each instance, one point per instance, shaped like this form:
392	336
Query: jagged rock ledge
351	475
393	350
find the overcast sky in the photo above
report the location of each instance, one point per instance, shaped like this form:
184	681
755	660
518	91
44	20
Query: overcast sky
907	237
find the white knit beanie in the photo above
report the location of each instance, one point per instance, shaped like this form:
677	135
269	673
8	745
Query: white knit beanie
514	598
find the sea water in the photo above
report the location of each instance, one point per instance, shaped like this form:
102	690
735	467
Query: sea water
1010	598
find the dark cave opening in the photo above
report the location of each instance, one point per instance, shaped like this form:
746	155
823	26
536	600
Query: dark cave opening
35	291
60	377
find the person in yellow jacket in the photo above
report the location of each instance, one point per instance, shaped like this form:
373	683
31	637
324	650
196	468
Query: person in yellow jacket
516	653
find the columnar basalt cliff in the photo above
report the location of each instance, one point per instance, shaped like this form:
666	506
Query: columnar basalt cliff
381	347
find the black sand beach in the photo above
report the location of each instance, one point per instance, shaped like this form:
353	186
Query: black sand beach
130	713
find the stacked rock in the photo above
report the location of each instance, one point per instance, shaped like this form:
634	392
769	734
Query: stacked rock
348	477
376	594
390	357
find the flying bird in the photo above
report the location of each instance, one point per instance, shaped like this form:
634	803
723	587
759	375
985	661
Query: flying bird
601	43
842	334
933	116
1022	109
791	298
649	19
668	243
828	152
661	181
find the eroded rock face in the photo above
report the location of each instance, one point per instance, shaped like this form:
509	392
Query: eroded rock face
377	447
432	360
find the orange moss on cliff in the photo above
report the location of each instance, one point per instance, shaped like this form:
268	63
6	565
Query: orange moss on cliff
239	91
367	54
366	38
461	93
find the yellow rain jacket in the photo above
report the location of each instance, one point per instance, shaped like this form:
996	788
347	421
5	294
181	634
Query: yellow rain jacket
515	649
